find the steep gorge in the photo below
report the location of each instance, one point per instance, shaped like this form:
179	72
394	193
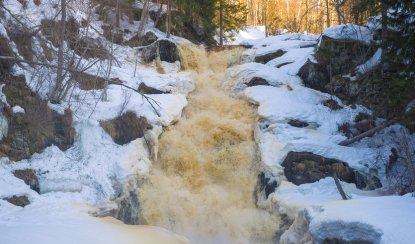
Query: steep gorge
203	184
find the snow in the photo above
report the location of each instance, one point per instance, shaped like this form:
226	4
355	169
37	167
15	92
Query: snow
247	33
349	32
17	109
371	63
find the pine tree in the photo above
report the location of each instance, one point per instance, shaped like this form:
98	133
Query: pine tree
230	15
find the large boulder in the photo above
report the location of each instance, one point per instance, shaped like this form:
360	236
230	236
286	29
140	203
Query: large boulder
314	76
306	167
126	127
164	49
343	55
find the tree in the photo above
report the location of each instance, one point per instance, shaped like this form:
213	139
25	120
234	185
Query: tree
59	73
144	18
230	15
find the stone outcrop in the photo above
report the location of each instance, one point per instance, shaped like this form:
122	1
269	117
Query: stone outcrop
257	81
35	129
126	127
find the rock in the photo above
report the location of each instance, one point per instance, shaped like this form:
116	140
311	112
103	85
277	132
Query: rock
332	104
20	201
314	76
144	89
149	38
5	50
367	181
257	81
37	128
298	123
125	128
129	208
166	50
29	177
306	167
267	183
265	58
23	41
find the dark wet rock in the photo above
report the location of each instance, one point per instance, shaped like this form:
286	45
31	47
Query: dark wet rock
125	128
298	123
306	167
314	76
166	50
144	89
20	201
37	128
29	177
332	104
267	183
129	208
257	81
265	58
149	38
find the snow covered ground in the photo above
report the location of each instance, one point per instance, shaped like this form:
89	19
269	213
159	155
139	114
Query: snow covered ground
368	214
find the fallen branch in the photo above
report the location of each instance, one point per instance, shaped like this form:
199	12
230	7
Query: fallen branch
368	133
339	186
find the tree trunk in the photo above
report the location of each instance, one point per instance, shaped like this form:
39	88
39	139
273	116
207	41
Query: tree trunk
144	18
221	22
168	19
59	72
327	14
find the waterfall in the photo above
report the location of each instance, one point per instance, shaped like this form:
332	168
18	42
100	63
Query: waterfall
203	184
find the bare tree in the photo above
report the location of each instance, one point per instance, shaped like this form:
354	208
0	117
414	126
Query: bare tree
144	18
168	19
59	73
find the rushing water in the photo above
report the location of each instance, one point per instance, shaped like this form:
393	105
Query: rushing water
203	184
